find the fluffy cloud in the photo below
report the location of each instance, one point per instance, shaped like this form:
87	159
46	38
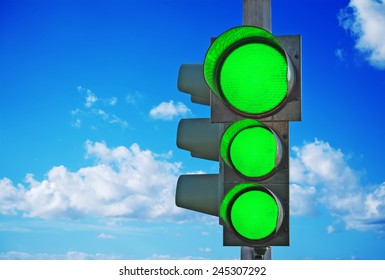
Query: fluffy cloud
124	182
113	119
112	101
302	200
105	236
71	255
205	250
134	97
10	197
366	21
95	109
321	175
169	257
139	184
168	111
90	99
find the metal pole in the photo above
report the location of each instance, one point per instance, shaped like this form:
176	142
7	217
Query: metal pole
257	13
255	253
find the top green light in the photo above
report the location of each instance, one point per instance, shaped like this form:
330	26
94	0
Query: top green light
247	68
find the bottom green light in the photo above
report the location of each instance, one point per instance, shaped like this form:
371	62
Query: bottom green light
250	211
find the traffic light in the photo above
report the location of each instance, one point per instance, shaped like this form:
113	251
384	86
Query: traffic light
252	82
255	81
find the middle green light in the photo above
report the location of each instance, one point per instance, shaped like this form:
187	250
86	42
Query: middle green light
251	148
253	152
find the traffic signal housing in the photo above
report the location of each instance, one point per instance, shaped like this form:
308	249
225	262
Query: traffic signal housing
255	81
252	81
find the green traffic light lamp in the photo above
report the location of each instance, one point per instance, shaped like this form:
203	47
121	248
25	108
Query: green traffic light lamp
252	212
251	148
249	70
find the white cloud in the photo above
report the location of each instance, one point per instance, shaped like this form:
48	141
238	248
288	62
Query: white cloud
10	197
168	110
94	109
169	257
116	120
77	123
113	119
340	54
113	101
77	255
71	255
125	182
366	21
302	200
205	250
133	97
90	99
105	236
330	229
321	175
133	183
160	257
318	162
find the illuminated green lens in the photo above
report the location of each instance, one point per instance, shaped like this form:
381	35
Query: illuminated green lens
254	215
249	210
251	148
247	68
253	152
253	78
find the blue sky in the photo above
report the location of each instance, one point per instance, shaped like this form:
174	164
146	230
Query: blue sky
89	112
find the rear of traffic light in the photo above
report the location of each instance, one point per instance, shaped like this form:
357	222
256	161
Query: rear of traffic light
198	192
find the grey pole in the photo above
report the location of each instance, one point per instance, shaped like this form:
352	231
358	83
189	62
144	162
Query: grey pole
255	253
256	13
